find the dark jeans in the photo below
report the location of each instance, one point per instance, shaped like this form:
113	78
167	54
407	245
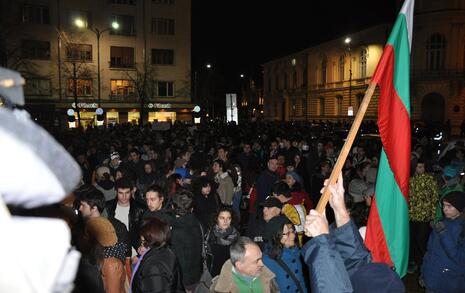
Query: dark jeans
419	234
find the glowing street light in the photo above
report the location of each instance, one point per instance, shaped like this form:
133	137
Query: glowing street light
242	75
347	40
209	66
115	25
79	23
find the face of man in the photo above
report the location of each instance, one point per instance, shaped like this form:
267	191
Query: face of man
252	264
85	209
222	154
420	169
154	201
124	196
134	157
148	168
273	165
216	168
274	145
270	212
246	148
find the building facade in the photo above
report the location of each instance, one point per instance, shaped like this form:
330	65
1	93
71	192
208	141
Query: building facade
328	81
142	48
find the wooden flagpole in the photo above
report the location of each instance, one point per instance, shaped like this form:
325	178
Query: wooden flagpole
347	146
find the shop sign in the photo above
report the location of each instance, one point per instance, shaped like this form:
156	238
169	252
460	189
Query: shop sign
85	105
159	105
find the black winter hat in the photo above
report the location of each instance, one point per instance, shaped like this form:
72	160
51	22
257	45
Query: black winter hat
457	199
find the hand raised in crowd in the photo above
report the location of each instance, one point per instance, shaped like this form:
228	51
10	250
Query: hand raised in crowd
316	224
337	202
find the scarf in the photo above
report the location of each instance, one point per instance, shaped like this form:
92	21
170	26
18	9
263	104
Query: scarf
118	251
225	237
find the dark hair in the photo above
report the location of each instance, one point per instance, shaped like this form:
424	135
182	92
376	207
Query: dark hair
134	150
281	187
363	165
220	163
92	196
156	232
223	147
220	210
274	244
155	188
201	182
171	185
124	183
183	202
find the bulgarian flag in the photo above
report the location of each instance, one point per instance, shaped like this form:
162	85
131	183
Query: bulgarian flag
387	235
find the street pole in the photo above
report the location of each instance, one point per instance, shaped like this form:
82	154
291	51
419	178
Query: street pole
97	32
75	93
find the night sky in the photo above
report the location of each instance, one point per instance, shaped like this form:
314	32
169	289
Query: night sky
238	36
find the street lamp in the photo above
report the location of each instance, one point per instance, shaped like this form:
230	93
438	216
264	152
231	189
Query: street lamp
347	41
81	24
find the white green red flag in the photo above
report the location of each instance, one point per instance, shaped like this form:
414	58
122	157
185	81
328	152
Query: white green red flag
387	235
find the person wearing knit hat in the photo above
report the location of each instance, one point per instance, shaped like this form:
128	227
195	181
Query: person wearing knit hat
282	255
443	267
103	251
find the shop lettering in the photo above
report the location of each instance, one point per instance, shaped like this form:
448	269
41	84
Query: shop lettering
159	105
85	105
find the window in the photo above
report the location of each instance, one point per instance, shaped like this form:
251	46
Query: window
37	87
363	63
31	49
167	2
127	2
35	14
341	68
435	52
164	89
339	105
121	87
359	98
324	67
294	79
121	57
163	26
83	87
276	80
163	56
126	25
285	81
73	15
79	52
321	101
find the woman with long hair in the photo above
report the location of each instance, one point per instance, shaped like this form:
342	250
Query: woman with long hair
206	201
157	269
219	238
282	255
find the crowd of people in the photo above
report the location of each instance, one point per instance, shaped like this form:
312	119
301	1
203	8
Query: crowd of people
158	210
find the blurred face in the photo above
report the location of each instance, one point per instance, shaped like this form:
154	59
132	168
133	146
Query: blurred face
246	148
118	175
326	169
252	264
273	165
281	160
290	180
361	152
269	213
222	154
85	209
274	145
154	201
134	157
365	170
288	238
216	168
124	195
206	190
319	147
420	169
224	220
449	210
148	168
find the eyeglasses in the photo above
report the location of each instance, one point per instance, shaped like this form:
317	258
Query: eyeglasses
289	232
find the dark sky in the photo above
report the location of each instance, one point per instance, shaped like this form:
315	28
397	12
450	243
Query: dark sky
237	36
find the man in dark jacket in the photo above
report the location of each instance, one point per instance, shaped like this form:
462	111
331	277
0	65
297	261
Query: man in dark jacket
341	251
186	239
265	181
127	210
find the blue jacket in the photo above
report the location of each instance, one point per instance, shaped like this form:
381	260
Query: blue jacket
443	268
291	257
333	259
